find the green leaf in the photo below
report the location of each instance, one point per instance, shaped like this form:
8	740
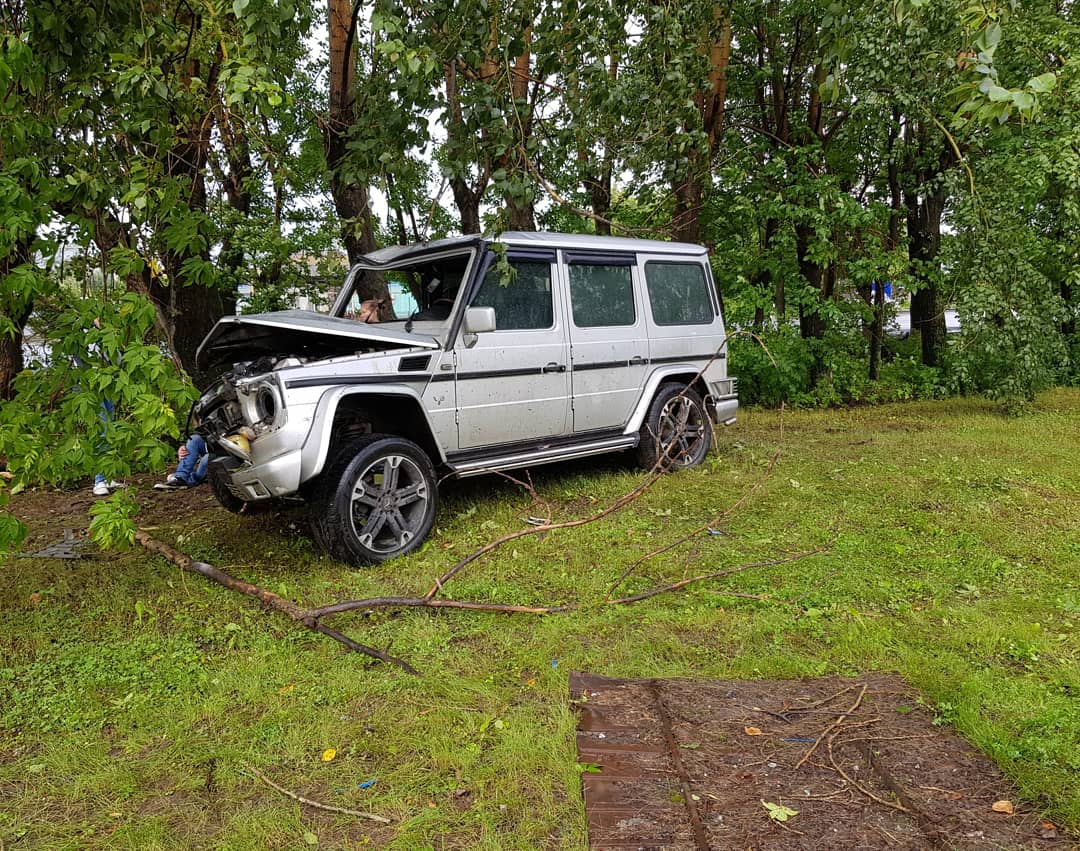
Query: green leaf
998	94
778	812
1042	84
1023	100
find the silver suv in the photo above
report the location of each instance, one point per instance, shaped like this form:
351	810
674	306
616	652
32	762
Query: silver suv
518	350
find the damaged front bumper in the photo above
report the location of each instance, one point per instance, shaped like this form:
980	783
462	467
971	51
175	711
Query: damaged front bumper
256	437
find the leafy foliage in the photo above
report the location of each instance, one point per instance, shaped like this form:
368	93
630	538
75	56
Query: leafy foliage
104	401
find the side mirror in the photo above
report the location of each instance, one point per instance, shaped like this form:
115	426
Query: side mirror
479	320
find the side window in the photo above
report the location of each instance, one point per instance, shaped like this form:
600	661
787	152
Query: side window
601	296
679	294
522	301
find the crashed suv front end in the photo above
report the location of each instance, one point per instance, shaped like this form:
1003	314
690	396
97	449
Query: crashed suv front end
258	417
261	429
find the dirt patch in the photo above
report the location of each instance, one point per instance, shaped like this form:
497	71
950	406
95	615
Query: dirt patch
48	512
787	764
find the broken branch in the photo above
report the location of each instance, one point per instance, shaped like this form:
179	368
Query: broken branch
267	598
830	728
330	808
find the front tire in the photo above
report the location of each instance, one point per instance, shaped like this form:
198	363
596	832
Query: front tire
375	501
217	477
677	432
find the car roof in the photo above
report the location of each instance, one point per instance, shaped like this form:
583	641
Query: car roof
534	239
591	242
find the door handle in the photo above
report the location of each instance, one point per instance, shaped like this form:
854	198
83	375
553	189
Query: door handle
554	367
638	360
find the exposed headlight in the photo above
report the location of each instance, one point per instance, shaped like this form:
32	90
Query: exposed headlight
266	404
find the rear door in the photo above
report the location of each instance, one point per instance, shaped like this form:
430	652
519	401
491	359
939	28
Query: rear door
513	384
608	339
684	314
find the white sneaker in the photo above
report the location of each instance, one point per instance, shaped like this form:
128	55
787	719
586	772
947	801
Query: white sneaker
116	485
102	489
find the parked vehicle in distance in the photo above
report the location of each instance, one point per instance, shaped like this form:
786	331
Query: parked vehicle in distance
525	348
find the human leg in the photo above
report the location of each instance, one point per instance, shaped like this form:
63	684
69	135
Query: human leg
187	469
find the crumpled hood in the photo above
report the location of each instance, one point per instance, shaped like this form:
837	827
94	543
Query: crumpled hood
299	333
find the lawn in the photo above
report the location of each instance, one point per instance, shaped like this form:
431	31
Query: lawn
134	696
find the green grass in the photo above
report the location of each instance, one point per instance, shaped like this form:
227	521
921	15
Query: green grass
131	695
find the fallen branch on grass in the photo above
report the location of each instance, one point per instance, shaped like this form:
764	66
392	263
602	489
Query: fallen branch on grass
312	618
715	521
330	808
267	598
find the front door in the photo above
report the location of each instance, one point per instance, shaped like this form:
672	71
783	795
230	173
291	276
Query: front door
513	383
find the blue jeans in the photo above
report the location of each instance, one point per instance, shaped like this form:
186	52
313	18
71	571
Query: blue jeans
192	469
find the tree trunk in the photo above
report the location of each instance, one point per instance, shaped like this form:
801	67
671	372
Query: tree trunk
811	324
11	345
598	183
468	204
466	197
763	278
189	310
686	217
11	356
924	240
896	210
689	190
520	212
351	199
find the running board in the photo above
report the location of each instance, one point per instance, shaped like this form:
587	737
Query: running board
541	456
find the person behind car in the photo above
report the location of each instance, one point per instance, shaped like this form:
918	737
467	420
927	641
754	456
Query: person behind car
193	458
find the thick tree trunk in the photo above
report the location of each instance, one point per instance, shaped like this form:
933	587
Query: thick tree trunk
811	324
189	310
468	204
521	211
466	197
924	240
689	190
11	356
351	199
521	215
599	190
686	217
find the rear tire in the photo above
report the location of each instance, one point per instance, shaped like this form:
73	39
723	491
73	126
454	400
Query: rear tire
375	501
677	431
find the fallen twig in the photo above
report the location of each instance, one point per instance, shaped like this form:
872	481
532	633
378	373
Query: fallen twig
813	588
624	500
676	586
831	727
856	785
824	700
330	808
715	521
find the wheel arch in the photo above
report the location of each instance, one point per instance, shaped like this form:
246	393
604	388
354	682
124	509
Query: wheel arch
675	374
345	413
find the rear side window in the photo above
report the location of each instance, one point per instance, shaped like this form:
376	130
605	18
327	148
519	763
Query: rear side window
678	294
601	296
522	300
